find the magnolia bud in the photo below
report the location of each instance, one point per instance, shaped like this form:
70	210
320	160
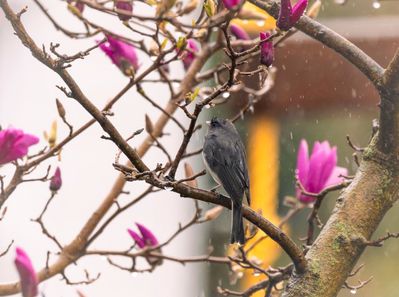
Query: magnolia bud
266	49
56	181
124	6
149	127
60	109
188	170
75	6
213	213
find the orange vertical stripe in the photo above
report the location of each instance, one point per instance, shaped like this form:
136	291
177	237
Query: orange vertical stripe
263	153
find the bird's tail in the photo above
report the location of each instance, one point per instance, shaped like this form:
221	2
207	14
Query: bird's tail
237	225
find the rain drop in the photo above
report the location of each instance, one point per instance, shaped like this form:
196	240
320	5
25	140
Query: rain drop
134	273
226	95
376	4
251	109
168	188
353	291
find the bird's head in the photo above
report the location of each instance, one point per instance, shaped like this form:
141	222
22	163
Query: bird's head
218	123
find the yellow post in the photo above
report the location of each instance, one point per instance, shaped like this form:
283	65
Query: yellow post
253	27
263	154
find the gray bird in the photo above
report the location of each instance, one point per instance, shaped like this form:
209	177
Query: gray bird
224	155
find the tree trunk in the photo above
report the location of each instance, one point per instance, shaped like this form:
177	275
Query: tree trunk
357	214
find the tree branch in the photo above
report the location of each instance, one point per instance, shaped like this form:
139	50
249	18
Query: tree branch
74	250
370	68
391	75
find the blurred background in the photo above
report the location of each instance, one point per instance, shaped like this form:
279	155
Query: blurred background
317	96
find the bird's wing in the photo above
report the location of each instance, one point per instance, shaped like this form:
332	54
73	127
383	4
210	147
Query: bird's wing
243	168
226	158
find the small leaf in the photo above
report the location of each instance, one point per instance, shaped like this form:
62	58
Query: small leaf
164	43
210	7
74	10
181	43
195	94
52	136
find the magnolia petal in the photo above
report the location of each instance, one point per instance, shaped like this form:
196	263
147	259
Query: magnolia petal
148	237
283	20
26	273
137	239
336	176
239	32
124	6
329	163
302	167
14	144
316	163
56	180
229	4
306	199
297	11
190	53
121	54
266	49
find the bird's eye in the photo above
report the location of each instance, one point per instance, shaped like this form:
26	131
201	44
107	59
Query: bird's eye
215	124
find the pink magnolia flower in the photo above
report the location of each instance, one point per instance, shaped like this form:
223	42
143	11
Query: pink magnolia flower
121	54
14	144
125	6
239	32
146	239
289	15
229	4
266	49
26	273
319	171
56	181
189	55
